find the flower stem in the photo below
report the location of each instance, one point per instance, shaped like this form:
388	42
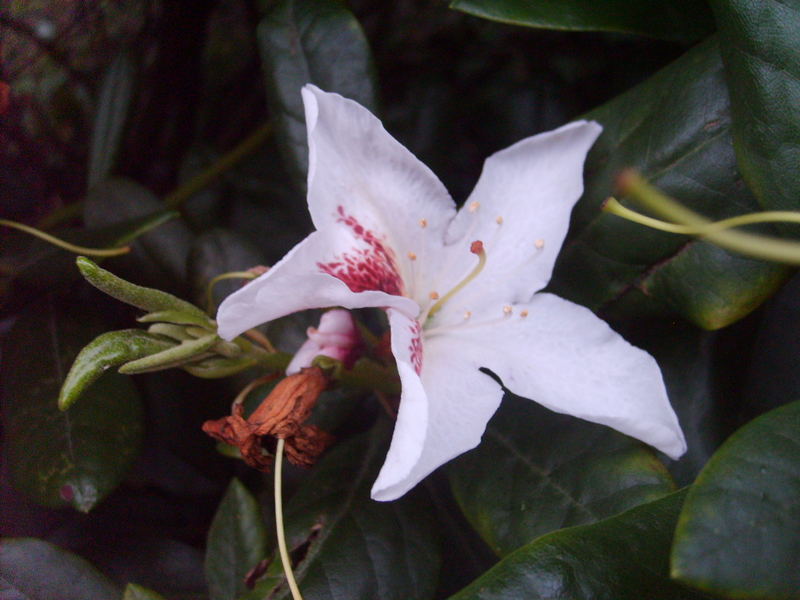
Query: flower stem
222	277
225	163
287	565
65	245
749	244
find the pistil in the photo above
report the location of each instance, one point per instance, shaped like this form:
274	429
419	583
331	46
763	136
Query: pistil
476	248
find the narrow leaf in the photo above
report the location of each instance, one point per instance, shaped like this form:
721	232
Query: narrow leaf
739	531
137	592
171	357
237	541
39	570
105	351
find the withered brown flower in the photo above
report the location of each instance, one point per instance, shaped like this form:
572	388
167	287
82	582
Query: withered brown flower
280	415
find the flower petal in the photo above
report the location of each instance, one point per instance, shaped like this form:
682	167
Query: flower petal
520	210
443	412
360	176
298	282
564	357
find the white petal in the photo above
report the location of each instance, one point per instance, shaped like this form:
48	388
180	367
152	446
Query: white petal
442	414
297	283
520	210
355	165
564	357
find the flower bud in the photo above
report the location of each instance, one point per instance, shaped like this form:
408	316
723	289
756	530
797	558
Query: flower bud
336	337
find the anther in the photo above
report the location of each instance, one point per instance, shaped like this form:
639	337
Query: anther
412	256
434	295
499	220
523	314
467	314
423	223
507	310
474	206
539	244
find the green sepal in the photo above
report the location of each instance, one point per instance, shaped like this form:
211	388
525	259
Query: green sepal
171	357
106	351
136	295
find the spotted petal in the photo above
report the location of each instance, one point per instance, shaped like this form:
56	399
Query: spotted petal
302	280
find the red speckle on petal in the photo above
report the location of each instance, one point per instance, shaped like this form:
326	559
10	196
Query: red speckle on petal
369	268
415	348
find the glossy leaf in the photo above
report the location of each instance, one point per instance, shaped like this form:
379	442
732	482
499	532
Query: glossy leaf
536	471
148	299
682	20
64	458
137	592
359	548
116	93
675	129
104	352
759	43
621	558
237	541
38	570
738	533
311	42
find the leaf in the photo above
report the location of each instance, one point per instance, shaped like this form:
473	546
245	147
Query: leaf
116	92
156	259
739	530
62	458
317	42
681	20
105	351
148	299
237	541
537	471
172	356
675	129
137	592
356	547
41	571
759	42
620	558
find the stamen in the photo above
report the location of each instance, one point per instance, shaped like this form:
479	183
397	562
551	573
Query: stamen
499	220
523	314
434	295
467	314
507	310
539	244
412	256
423	223
476	248
474	206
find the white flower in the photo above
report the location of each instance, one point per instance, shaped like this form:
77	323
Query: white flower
389	235
335	337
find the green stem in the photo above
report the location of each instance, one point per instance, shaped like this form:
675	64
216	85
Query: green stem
221	277
225	163
749	244
287	565
65	245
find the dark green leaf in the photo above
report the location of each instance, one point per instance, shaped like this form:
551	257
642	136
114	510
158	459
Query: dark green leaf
359	548
105	351
38	570
56	457
145	298
536	471
621	558
739	531
137	592
116	92
675	129
237	541
317	42
759	43
682	20
157	258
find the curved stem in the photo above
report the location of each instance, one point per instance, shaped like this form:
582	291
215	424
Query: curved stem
221	277
65	245
287	565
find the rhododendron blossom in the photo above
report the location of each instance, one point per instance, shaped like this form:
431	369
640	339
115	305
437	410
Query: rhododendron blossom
460	287
335	337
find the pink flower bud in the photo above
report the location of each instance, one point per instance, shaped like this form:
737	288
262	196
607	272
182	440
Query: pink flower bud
335	337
